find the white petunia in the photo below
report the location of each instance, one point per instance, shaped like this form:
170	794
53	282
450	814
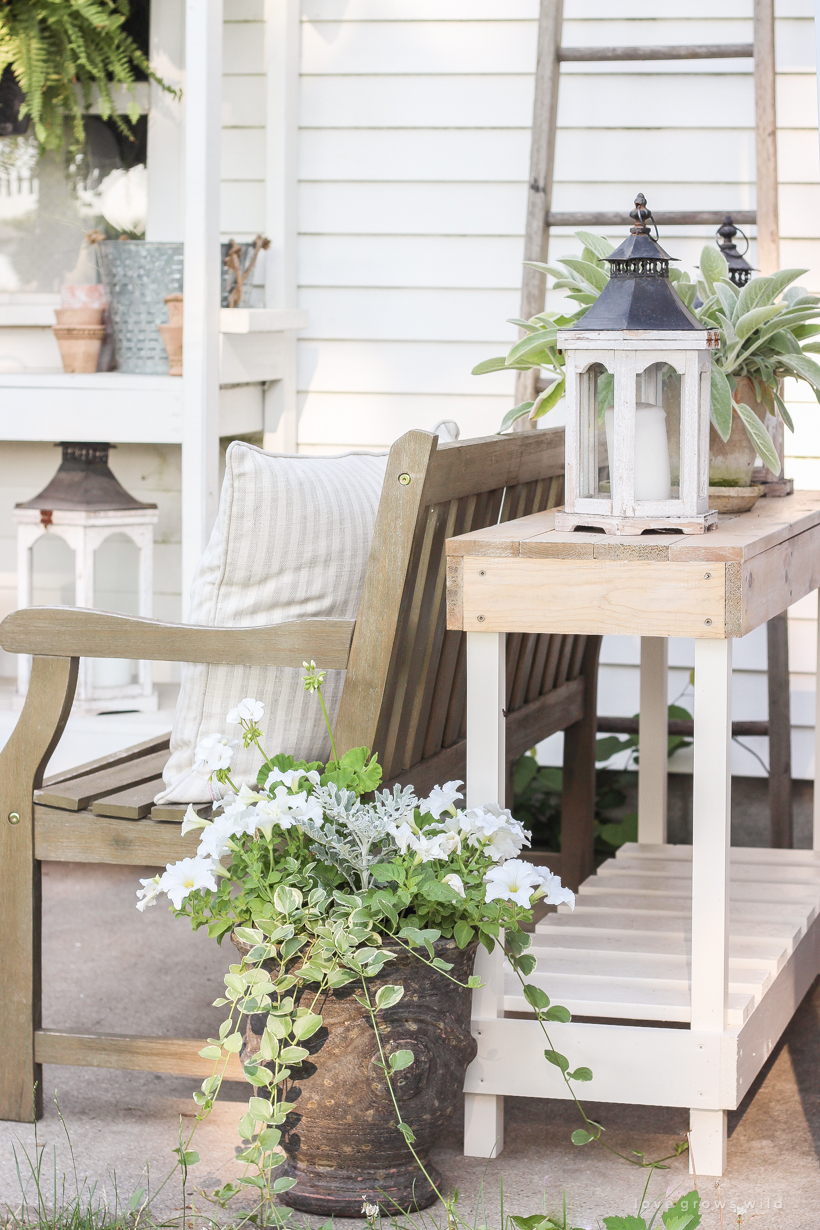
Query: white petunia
514	880
285	809
248	710
186	876
191	821
552	890
507	841
214	841
430	846
147	895
403	835
455	882
441	798
214	752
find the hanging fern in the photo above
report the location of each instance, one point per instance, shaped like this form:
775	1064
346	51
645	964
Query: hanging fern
54	46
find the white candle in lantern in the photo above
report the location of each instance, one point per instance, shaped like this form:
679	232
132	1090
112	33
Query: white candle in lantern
653	480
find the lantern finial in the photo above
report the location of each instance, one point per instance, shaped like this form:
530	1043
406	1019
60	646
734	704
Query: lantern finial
641	215
739	269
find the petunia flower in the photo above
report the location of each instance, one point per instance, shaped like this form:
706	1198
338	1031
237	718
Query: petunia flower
514	880
552	890
186	876
191	821
147	895
441	798
214	752
455	882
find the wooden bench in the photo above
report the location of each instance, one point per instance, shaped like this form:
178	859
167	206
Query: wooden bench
404	696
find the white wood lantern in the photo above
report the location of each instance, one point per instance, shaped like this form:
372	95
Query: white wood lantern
638	390
84	505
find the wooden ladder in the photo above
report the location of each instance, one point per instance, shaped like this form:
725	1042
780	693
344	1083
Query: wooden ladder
540	217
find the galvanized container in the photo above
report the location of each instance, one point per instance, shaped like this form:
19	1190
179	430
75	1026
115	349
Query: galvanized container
137	277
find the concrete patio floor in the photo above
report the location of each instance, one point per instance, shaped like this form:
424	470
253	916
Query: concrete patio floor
109	969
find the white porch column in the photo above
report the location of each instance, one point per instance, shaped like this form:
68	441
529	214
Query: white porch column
712	791
486	783
200	437
652	739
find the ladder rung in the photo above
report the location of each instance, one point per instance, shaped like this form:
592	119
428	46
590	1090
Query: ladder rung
696	51
703	217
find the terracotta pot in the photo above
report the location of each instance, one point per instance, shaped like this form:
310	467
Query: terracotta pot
79	316
341	1140
731	462
79	346
172	337
174	303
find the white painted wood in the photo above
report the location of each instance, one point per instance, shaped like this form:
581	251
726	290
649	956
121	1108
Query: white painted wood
817	54
200	451
340	208
417	314
412	367
251	358
653	740
407	260
430	154
712	785
420	47
486	783
707	1142
261	320
166	197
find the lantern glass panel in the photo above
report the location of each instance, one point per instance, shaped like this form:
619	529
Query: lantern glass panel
116	580
596	397
658	433
52	572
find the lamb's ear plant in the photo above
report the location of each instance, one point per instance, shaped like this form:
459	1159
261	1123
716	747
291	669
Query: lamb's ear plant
767	331
58	49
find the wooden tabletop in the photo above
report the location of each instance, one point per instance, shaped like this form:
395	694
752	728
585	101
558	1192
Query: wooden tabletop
524	576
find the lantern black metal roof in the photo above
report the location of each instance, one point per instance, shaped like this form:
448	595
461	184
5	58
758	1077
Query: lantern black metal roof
639	295
739	269
84	483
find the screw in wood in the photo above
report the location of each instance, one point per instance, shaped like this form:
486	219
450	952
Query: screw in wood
480	618
404	479
708	623
14	817
707	576
481	572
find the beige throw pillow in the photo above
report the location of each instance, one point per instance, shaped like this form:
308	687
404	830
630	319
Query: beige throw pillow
291	541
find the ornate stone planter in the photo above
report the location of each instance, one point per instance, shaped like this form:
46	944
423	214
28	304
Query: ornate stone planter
342	1142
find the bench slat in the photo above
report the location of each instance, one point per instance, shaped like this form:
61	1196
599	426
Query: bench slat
133	803
77	794
82	837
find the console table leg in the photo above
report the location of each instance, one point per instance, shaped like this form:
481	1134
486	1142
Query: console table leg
707	1142
712	790
652	738
486	783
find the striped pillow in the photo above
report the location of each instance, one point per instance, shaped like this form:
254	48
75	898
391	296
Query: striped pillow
291	541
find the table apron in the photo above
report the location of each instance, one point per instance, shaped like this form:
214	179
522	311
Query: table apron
590	597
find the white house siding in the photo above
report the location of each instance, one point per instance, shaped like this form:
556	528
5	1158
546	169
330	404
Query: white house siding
414	159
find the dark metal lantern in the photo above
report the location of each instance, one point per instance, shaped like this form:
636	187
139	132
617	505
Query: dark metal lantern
739	269
84	482
639	294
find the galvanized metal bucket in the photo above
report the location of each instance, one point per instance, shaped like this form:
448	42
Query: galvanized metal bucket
137	277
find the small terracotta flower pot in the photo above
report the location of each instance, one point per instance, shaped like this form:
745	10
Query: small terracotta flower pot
79	316
172	337
174	303
79	346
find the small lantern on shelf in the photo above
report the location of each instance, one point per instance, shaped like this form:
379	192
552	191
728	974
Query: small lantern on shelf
739	269
85	505
638	375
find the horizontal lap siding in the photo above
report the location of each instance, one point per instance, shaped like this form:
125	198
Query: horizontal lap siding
242	202
414	162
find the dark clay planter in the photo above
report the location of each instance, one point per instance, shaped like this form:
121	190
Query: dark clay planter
343	1146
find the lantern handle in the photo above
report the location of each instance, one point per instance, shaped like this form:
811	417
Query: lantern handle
727	232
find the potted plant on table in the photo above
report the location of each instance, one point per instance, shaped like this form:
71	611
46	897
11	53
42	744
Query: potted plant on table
357	915
768	331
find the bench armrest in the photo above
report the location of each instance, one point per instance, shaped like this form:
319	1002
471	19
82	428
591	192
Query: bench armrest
72	632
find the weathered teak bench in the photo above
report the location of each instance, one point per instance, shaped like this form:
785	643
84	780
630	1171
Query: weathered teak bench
404	696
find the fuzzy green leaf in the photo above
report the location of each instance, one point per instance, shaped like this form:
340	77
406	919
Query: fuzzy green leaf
713	266
550	398
746	324
498	365
528	346
759	437
758	292
596	243
594	277
804	368
721	407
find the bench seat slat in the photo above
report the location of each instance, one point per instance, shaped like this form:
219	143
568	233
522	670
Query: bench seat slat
77	794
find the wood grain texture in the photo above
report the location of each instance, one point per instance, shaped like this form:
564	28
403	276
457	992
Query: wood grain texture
82	837
78	793
177	1055
495	461
597	597
66	632
773	580
22	764
780	733
133	803
159	743
768	241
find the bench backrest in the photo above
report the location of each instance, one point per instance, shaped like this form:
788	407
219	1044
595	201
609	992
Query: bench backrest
405	691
